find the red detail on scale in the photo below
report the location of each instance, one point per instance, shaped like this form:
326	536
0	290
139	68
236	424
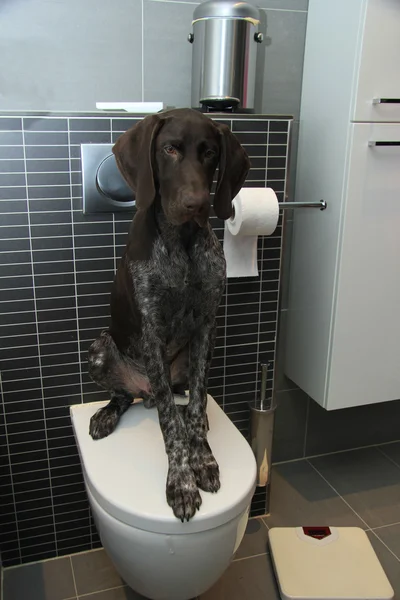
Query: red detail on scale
318	533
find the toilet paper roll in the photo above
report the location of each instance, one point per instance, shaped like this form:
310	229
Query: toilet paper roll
256	212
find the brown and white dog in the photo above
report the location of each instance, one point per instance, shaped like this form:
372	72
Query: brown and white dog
168	288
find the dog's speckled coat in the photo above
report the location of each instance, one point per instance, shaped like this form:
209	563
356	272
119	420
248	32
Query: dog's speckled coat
168	288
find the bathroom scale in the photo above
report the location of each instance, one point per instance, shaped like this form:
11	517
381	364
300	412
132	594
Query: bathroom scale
327	563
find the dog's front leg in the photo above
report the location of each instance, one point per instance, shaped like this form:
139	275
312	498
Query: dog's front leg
202	459
182	492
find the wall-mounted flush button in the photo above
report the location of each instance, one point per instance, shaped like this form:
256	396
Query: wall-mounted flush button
104	188
111	183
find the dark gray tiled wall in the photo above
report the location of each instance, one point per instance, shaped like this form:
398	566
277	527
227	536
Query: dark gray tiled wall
56	268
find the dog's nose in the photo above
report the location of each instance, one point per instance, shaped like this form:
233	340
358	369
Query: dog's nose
196	203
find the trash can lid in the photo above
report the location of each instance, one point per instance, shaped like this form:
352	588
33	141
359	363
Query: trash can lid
230	9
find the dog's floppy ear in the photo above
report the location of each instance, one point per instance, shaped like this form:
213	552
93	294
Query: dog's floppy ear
134	154
234	165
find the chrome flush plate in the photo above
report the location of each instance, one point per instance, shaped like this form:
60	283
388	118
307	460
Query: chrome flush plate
104	188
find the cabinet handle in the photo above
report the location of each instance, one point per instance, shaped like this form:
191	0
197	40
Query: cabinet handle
385	100
371	143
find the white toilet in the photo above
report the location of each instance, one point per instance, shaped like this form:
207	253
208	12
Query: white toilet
155	553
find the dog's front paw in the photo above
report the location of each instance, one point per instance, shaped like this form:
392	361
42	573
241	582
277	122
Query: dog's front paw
182	493
207	476
103	422
148	400
205	466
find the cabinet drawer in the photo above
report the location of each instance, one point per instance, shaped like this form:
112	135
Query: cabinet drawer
365	345
377	91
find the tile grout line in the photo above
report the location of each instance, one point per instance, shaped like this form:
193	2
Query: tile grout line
387	456
278	327
39	356
385	526
269	345
312	456
73	575
337	493
225	327
386	546
89	115
265	523
260	285
101	316
115	245
113	217
53	558
75	283
248	557
62	530
306	427
118	587
11	474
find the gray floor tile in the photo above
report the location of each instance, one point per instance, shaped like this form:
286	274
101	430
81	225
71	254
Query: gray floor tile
299	496
49	580
392	451
255	539
94	572
248	578
391	537
368	481
121	593
389	563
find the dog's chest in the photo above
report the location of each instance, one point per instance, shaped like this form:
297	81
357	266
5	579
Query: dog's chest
179	289
182	287
190	283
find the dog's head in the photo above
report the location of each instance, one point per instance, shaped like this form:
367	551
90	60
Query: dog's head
175	154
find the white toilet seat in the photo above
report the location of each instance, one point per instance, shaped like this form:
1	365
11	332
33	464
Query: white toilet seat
126	472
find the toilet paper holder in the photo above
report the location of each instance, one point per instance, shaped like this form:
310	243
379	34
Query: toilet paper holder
322	205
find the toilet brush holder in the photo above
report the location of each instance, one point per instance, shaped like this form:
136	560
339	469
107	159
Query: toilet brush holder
262	414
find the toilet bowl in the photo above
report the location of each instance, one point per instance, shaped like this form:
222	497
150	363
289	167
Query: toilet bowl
155	553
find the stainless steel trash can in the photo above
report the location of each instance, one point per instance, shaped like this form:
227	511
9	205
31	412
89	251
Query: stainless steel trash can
225	36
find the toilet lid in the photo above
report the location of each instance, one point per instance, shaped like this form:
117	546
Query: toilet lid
126	472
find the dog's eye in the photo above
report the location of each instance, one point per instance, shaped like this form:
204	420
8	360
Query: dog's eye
209	154
170	150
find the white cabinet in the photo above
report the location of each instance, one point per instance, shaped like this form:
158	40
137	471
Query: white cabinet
365	354
343	338
377	87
